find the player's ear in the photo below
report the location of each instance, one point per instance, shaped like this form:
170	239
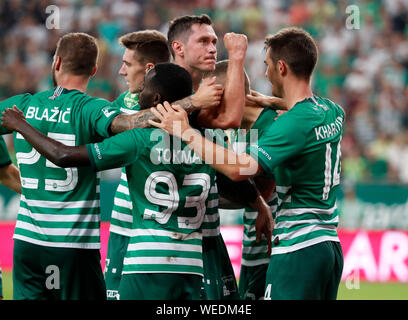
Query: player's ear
178	48
157	99
94	70
282	67
149	66
58	63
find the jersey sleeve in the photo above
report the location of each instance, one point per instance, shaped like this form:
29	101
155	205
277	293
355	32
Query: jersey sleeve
118	151
4	154
284	139
18	101
98	114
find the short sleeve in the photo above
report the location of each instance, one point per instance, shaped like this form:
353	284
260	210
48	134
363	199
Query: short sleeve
118	151
283	140
99	114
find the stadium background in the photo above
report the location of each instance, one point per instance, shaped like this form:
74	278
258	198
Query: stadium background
364	69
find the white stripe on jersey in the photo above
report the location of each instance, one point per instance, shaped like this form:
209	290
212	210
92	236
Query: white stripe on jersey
297	211
123	189
120	230
212	203
254	250
165	233
164	261
76	232
211	232
123	176
122	216
211	217
252	263
123	203
77	245
304	244
61	204
164	246
289	224
59	217
305	230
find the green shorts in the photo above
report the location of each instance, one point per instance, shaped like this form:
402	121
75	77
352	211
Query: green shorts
117	246
219	281
49	273
159	286
311	273
252	282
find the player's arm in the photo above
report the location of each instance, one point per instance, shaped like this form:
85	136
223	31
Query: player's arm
9	174
260	100
247	194
175	121
229	113
10	177
207	96
57	152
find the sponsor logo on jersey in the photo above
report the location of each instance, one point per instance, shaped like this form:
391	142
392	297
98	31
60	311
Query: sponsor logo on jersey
106	111
131	100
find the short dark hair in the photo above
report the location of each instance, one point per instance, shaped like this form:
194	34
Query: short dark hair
78	52
296	47
180	28
151	45
220	72
171	81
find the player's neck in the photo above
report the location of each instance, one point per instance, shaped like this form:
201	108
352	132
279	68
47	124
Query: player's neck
296	90
71	82
196	75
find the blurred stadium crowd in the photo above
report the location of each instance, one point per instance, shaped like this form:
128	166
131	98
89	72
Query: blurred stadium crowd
365	70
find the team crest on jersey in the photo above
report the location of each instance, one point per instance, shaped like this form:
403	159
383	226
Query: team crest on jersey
131	100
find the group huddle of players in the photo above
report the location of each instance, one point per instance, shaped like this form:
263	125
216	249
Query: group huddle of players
165	241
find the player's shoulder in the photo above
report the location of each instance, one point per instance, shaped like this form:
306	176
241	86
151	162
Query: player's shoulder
127	100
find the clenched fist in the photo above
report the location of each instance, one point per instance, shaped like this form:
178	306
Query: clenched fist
236	45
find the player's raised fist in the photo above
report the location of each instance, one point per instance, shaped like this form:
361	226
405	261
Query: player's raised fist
236	44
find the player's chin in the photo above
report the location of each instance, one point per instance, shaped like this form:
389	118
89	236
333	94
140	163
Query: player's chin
209	65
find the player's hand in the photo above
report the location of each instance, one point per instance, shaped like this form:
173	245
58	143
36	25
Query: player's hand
259	99
236	45
264	223
13	118
173	119
208	95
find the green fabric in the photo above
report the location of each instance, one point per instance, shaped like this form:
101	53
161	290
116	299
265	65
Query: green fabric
159	286
312	273
35	275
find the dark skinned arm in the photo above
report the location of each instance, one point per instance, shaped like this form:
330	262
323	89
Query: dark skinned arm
57	152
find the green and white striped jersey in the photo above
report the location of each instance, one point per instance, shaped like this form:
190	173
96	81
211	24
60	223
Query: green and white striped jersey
122	218
169	186
254	253
57	208
211	223
302	149
4	154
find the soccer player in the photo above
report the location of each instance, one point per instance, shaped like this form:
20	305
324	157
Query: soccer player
192	41
302	149
255	250
168	187
143	49
56	238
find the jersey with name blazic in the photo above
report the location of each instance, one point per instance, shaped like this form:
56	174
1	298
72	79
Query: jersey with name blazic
57	208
